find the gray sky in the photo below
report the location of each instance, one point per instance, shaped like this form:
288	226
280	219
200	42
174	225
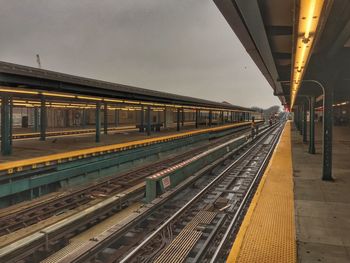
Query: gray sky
179	46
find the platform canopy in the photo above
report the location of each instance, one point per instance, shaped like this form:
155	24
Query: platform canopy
29	78
298	45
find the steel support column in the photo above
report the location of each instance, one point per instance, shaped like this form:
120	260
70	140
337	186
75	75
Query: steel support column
305	123
196	118
116	118
6	148
165	117
159	119
178	120
84	119
98	121
222	118
210	118
36	119
11	120
327	134
43	119
148	119
312	125
66	118
296	117
183	117
105	118
142	119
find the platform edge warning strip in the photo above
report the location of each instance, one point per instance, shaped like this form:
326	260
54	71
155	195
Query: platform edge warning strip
17	166
249	247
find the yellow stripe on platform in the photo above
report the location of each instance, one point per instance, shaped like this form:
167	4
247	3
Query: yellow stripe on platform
84	153
267	233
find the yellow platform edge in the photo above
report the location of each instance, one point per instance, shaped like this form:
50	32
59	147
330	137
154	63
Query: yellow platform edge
18	165
234	254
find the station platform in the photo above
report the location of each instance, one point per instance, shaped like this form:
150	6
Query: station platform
33	147
267	233
294	215
322	207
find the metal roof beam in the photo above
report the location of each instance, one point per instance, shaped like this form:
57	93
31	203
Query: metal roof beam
279	30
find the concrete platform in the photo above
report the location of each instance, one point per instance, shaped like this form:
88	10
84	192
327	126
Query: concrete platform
29	148
322	208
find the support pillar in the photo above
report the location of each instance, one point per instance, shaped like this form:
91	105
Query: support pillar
148	120
142	121
11	120
6	148
327	134
36	119
312	126
98	121
43	119
305	123
178	120
196	119
210	118
116	118
66	118
222	118
84	119
159	119
183	117
165	120
105	118
296	117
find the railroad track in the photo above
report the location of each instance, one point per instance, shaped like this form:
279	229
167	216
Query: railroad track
30	215
197	224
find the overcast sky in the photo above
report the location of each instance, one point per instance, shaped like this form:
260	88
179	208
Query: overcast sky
179	46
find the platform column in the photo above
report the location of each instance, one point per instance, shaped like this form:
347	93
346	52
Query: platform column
183	117
43	119
210	118
142	117
312	126
36	119
222	118
116	117
84	119
66	118
11	120
6	148
196	118
105	118
148	120
165	110
159	119
305	123
178	119
300	120
295	112
98	121
327	134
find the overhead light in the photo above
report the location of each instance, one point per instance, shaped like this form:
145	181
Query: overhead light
89	98
18	91
57	95
309	16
